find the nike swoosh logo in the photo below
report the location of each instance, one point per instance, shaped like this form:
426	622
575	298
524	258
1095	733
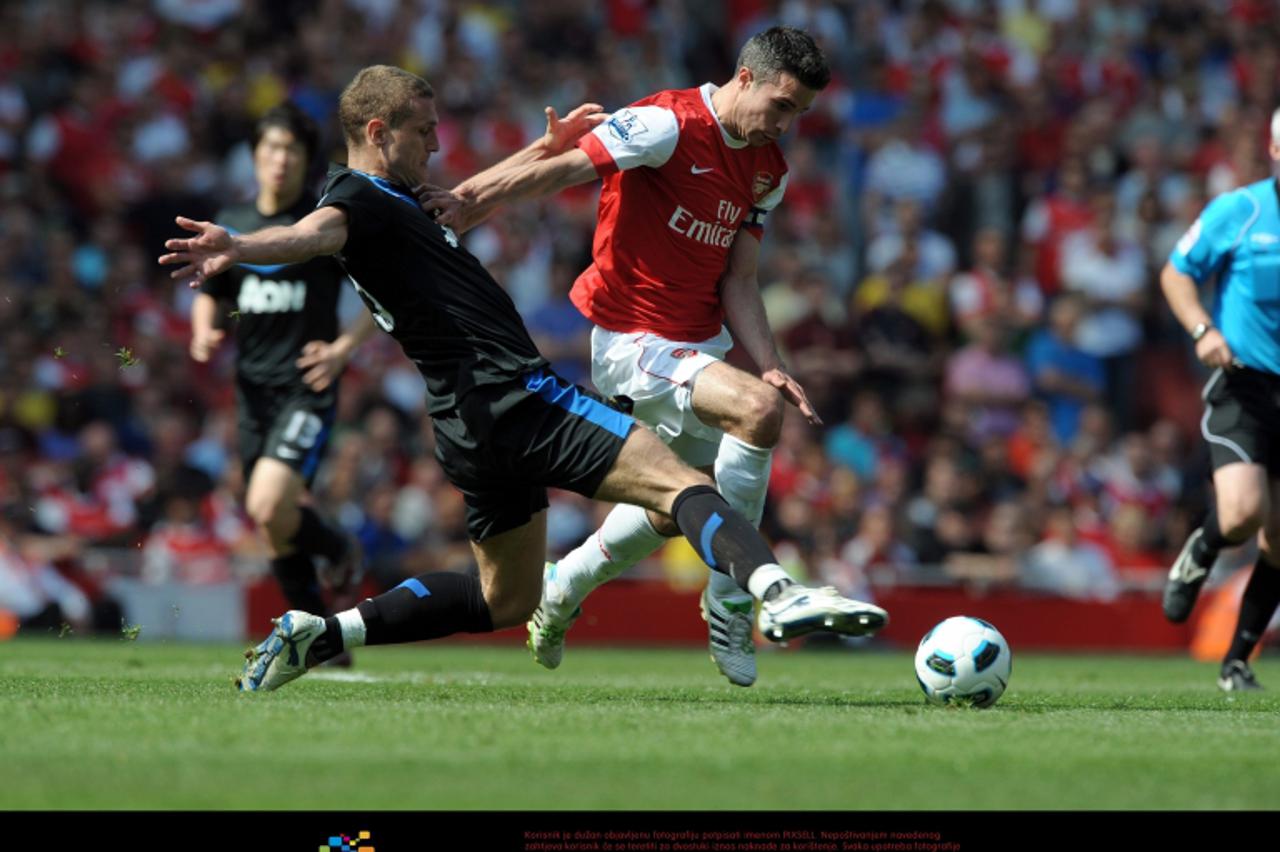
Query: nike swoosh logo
697	171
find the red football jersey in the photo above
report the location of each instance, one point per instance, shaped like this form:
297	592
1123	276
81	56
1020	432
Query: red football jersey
677	189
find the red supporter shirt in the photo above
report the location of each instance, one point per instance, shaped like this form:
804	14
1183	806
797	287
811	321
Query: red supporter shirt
677	189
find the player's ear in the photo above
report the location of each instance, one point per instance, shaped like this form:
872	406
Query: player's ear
745	77
375	132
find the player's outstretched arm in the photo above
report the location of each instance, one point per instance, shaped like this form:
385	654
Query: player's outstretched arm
476	198
463	209
213	250
744	313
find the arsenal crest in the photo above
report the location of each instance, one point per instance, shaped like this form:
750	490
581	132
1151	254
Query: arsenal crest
761	185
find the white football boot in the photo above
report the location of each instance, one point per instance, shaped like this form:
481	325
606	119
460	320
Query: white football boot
282	656
799	610
550	620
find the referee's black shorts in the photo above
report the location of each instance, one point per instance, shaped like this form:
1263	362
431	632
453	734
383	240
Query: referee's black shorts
1241	418
503	445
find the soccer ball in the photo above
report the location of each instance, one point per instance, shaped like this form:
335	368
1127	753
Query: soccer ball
963	659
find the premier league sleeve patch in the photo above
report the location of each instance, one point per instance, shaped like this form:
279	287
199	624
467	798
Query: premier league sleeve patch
625	125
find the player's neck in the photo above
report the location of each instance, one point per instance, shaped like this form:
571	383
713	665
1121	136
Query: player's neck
723	101
369	161
270	203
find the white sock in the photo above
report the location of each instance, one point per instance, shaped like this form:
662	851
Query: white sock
625	537
764	577
742	477
351	622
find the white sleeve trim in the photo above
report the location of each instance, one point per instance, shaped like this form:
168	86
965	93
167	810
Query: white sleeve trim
640	136
772	200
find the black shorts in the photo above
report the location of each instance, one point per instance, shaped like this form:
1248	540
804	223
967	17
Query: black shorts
1242	418
290	424
504	445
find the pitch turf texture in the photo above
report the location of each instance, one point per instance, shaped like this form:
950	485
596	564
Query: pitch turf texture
125	725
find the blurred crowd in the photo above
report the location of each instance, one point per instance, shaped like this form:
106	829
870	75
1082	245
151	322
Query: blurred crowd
962	273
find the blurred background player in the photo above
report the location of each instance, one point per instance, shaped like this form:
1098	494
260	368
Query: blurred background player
689	177
289	357
1236	238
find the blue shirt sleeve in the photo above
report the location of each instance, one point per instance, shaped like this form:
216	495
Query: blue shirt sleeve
1213	236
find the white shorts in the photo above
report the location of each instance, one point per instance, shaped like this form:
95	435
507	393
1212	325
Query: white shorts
658	375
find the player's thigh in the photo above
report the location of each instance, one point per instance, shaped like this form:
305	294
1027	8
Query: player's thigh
735	401
657	377
1238	423
647	473
511	565
1240	492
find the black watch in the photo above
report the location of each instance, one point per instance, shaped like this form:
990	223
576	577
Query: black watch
1201	329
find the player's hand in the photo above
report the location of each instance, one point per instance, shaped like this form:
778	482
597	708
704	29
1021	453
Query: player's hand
443	205
1213	351
209	253
792	392
203	343
322	362
563	133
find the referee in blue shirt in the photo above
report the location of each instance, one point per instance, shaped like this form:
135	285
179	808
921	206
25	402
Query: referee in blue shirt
1237	241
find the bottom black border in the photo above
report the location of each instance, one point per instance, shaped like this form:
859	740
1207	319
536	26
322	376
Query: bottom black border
621	831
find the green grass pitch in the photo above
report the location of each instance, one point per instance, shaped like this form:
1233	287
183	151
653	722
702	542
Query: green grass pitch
135	725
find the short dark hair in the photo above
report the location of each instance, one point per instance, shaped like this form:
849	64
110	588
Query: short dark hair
789	50
289	116
379	91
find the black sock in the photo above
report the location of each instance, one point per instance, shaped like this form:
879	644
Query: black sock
1256	608
297	577
1212	541
724	539
314	535
427	607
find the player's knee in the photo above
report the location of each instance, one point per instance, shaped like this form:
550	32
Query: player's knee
760	415
511	607
1239	516
267	511
1269	543
663	525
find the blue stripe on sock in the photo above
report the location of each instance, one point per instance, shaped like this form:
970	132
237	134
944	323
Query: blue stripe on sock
414	585
708	532
569	398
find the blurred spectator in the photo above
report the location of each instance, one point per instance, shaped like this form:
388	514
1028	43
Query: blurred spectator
986	291
820	347
985	385
875	546
1111	273
935	255
1052	218
1064	375
1063	564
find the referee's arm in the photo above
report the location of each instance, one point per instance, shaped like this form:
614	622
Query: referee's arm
1183	296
